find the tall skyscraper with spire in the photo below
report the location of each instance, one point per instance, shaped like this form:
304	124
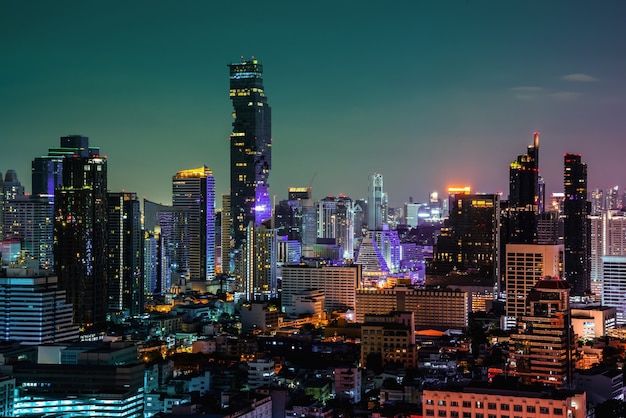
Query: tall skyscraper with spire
576	225
250	148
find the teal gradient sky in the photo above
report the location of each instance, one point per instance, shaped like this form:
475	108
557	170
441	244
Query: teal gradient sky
428	93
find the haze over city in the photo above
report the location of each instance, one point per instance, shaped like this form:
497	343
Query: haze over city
427	93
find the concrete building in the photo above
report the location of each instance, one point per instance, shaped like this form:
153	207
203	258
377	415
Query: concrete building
525	265
348	382
593	321
33	310
432	308
338	283
501	403
541	350
258	316
260	372
390	336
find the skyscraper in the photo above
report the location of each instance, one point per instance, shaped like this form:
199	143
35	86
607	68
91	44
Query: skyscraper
576	225
80	231
250	148
469	240
125	245
336	220
375	202
524	197
193	191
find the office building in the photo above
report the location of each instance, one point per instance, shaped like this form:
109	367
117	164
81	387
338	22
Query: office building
33	308
522	207
576	224
541	349
90	379
614	285
525	266
336	220
80	231
339	284
250	148
28	219
193	191
375	215
125	246
470	238
608	237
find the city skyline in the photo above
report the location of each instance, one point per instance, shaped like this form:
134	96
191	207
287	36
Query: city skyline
426	94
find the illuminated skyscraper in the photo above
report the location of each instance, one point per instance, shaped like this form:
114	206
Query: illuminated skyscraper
375	218
336	220
524	197
577	225
80	231
250	148
193	191
125	244
469	240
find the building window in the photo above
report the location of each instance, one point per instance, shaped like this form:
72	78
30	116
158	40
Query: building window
441	402
504	406
430	402
430	412
491	405
467	404
544	410
454	403
557	411
531	409
517	408
441	413
454	414
467	415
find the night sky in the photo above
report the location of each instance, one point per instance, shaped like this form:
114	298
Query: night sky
427	93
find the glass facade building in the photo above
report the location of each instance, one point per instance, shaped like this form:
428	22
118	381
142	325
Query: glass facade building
250	148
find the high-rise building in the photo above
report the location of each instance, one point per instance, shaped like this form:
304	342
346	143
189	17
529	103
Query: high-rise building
227	244
576	224
336	220
614	285
608	237
525	265
125	245
193	191
10	189
250	148
470	237
522	208
542	348
376	339
34	310
28	219
80	231
375	217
